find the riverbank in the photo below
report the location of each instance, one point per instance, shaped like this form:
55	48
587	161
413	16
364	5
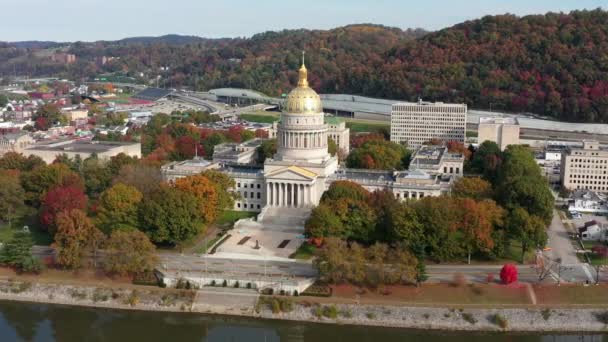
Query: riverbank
456	318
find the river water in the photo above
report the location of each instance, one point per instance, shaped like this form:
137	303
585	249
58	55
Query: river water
39	322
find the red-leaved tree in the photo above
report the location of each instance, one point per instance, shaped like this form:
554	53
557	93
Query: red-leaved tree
508	274
59	199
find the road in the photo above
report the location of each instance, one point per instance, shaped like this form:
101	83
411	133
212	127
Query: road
560	243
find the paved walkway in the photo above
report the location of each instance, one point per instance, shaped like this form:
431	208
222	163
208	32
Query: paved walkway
560	243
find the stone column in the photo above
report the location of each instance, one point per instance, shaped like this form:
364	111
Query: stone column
292	195
268	195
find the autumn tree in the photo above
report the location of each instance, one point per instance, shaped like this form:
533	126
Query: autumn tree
472	187
476	222
37	182
11	197
379	154
170	216
223	187
76	235
323	222
332	261
117	208
16	161
57	200
206	193
129	252
145	178
487	160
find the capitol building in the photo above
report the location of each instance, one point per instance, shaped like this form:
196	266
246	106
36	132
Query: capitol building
292	182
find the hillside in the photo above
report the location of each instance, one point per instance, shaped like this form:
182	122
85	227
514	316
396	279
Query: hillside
553	64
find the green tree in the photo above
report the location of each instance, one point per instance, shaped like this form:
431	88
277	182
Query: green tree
266	150
529	230
323	222
379	154
11	197
129	252
406	227
521	184
332	147
487	160
345	189
118	208
17	253
170	216
332	261
37	182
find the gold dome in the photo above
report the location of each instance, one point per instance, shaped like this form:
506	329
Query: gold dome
303	99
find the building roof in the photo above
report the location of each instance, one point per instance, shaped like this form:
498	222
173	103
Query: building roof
497	120
152	94
332	120
75	145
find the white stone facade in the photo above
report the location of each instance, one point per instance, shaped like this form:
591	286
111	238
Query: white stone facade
502	131
585	168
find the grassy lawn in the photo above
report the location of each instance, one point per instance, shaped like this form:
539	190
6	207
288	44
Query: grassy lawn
357	126
29	217
572	294
440	294
513	253
229	217
304	252
201	249
471	134
266	117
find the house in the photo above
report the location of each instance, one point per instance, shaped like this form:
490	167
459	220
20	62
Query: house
585	201
593	231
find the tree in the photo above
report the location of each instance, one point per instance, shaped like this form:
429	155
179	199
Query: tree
223	185
521	184
437	215
76	235
421	274
406	227
345	189
528	229
145	178
16	161
37	182
57	200
508	274
323	222
129	252
379	154
266	150
11	197
487	160
474	187
476	224
117	208
17	253
170	216
205	191
332	147
332	261
358	219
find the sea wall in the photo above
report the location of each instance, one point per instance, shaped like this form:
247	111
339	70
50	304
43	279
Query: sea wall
449	318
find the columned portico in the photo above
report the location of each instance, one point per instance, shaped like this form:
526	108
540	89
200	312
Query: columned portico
289	194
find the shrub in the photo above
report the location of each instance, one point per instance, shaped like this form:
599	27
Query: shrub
248	285
224	283
330	312
546	313
317	311
500	320
602	317
426	316
275	306
133	298
236	285
346	313
478	290
370	315
469	318
490	278
100	295
282	292
78	295
459	280
286	305
167	299
295	293
508	274
213	282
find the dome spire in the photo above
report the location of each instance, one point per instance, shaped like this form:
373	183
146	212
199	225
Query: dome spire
303	73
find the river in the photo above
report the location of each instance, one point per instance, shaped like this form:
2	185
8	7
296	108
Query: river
39	322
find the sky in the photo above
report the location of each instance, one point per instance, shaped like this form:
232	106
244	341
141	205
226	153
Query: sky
90	20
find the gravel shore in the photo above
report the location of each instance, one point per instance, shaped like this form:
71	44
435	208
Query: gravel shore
451	318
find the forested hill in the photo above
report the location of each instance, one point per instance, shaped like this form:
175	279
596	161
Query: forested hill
553	64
